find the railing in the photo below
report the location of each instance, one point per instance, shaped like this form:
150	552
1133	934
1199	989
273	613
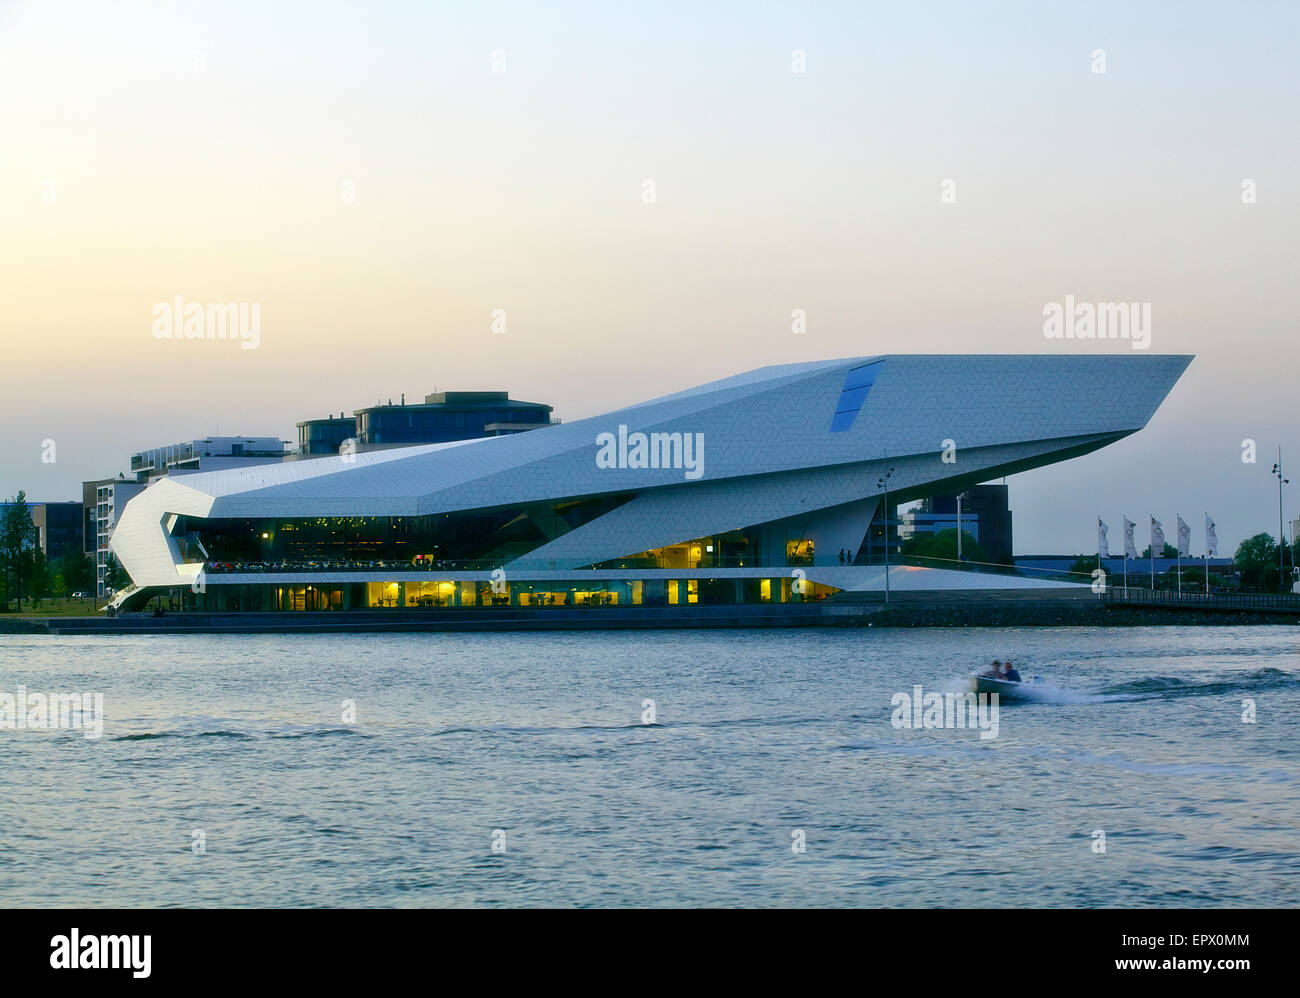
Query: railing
993	568
703	563
221	567
1258	602
784	567
217	567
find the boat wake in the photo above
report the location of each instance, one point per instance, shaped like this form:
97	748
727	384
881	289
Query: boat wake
1033	690
1148	688
1166	687
1042	692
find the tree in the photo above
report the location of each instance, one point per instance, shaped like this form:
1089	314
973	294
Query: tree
17	534
1085	564
943	546
1170	551
1288	559
1256	560
1194	578
77	569
115	576
35	574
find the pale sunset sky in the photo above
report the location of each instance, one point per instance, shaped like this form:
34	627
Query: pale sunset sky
205	149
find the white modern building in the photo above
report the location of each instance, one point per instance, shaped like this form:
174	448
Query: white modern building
207	454
104	499
740	490
103	502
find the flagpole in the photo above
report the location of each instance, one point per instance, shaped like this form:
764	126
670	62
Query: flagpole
1124	527
1179	518
1152	549
1205	519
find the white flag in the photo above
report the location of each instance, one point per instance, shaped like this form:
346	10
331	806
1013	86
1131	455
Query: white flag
1157	539
1130	546
1103	545
1211	541
1184	538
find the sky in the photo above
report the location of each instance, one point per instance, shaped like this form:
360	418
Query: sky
384	180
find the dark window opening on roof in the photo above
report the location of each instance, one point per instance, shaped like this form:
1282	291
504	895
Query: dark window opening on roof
857	385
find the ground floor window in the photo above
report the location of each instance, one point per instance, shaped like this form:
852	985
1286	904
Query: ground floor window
383	594
303	598
449	593
590	594
429	594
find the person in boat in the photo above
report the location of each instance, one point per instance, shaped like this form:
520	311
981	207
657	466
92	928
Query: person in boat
993	672
1010	674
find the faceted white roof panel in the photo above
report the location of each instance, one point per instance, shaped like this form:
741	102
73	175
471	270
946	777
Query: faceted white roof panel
772	420
684	512
775	421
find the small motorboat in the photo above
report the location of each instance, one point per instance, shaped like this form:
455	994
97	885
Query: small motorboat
1006	689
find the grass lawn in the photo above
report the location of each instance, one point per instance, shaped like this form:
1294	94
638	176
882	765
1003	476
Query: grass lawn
57	607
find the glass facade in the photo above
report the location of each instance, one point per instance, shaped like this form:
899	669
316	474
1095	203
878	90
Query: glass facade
441	418
329	597
475	540
441	547
778	544
325	436
733	549
445	417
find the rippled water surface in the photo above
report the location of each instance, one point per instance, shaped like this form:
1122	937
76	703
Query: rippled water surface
759	733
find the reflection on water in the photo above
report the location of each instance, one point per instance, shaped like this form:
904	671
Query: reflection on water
363	770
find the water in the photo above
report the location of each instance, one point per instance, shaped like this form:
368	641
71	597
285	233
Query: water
759	733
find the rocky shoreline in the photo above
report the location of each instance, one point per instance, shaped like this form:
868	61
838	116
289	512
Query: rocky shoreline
16	625
1052	615
975	613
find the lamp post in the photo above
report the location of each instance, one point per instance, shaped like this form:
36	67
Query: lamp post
883	484
1281	537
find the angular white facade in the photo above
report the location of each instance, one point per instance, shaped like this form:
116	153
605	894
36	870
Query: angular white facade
802	445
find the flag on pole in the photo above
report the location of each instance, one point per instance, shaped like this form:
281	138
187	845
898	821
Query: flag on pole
1157	539
1103	545
1130	546
1184	538
1211	541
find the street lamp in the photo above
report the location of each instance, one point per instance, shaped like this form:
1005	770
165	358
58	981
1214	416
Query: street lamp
1281	537
883	484
960	497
